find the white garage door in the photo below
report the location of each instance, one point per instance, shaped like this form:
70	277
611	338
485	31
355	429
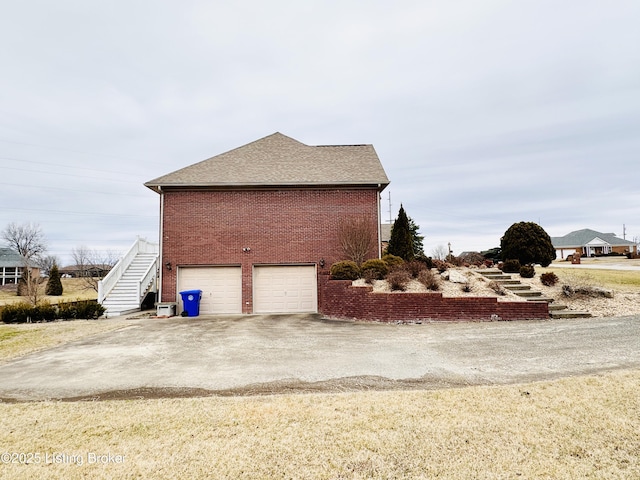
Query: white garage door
221	288
285	289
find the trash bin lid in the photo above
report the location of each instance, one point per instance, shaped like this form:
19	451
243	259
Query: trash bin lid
190	292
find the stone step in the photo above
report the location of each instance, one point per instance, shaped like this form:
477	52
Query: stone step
557	307
528	294
517	287
507	282
569	314
540	299
496	276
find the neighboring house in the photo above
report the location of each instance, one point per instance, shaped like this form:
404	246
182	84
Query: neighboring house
591	243
78	271
385	235
12	266
253	227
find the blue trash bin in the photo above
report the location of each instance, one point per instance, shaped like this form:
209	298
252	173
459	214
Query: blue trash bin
191	302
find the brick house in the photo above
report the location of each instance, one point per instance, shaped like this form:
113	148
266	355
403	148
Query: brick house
254	227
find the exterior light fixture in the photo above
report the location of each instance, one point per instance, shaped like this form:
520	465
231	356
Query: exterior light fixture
322	263
168	265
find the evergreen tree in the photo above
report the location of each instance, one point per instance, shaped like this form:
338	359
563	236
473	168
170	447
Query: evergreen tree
401	241
528	243
54	285
418	246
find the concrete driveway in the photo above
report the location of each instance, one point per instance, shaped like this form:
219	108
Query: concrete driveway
271	354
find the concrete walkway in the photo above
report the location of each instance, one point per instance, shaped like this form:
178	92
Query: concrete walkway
258	354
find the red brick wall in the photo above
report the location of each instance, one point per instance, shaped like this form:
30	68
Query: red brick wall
279	226
338	299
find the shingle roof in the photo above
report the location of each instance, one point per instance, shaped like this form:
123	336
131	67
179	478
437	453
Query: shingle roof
10	258
582	237
278	160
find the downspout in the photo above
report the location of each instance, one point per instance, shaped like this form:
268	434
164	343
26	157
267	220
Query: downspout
160	242
379	220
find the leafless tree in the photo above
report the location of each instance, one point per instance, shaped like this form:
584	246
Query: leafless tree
46	263
26	239
356	238
439	253
93	265
29	242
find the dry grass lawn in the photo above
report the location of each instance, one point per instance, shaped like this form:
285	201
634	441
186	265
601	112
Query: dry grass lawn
73	289
584	427
20	339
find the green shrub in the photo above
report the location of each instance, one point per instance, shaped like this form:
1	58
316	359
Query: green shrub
89	309
511	266
374	269
527	271
44	312
16	313
549	279
392	260
398	279
345	270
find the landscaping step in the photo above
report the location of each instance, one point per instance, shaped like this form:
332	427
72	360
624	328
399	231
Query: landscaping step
557	306
569	314
517	287
541	299
528	294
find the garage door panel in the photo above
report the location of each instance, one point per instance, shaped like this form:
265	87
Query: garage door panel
221	287
285	289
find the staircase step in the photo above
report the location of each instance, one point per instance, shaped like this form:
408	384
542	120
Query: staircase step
497	276
569	314
540	299
517	287
528	293
557	307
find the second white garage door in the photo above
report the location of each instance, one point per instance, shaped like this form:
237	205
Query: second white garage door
221	288
285	289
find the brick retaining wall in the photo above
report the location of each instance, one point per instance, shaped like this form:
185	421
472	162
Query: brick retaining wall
339	299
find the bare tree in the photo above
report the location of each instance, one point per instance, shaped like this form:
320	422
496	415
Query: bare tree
28	240
46	263
440	252
356	238
93	265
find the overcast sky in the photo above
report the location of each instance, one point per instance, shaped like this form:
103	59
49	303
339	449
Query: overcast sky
483	113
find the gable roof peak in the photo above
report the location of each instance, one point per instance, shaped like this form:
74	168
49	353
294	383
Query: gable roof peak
279	160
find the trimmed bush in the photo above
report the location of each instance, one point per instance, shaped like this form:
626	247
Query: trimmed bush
374	269
89	310
549	279
527	271
429	279
426	260
392	260
398	279
16	313
511	266
345	270
45	312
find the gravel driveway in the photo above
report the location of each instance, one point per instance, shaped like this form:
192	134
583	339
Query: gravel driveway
271	354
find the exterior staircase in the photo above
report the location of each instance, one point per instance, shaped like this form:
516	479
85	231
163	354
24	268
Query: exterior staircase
128	283
525	291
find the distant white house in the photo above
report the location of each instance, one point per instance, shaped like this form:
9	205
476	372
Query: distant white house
591	243
11	266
